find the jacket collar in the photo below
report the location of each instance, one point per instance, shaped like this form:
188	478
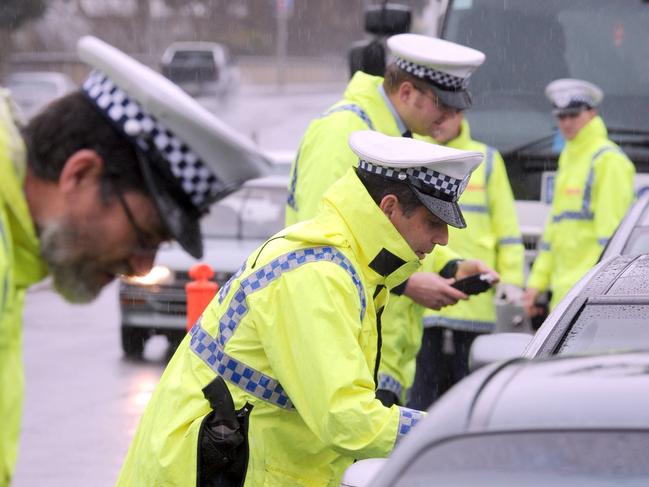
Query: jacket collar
363	89
385	257
463	138
594	129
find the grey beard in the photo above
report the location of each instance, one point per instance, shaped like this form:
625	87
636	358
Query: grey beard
75	276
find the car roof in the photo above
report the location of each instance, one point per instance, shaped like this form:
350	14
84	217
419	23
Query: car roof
581	392
616	280
578	393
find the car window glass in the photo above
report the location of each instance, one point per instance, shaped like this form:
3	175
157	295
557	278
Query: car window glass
223	220
192	57
263	212
587	39
638	242
254	212
588	458
607	327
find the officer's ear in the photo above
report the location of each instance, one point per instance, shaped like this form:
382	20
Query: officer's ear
405	91
389	204
82	169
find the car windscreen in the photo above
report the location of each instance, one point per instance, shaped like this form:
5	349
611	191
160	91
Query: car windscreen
529	43
570	458
251	212
605	327
192	58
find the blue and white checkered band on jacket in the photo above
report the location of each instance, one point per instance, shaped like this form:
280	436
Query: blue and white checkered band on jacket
443	80
194	177
437	182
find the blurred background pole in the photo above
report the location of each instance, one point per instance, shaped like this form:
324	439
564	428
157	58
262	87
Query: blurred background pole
282	10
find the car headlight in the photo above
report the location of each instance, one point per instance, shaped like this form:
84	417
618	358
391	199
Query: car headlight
156	276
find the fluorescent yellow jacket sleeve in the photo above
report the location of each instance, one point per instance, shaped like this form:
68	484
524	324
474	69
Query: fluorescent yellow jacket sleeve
612	193
509	251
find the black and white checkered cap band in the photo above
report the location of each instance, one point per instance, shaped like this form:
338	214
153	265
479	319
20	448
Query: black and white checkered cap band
447	185
578	100
439	78
196	180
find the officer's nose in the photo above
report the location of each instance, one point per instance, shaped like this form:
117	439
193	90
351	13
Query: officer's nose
441	236
142	263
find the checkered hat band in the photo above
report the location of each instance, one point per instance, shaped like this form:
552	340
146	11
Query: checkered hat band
439	78
577	102
434	180
195	179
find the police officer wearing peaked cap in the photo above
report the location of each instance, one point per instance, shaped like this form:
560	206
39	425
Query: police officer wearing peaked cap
92	185
290	344
427	81
593	190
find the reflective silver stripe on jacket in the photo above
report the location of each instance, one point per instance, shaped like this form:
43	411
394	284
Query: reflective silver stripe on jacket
389	383
352	107
585	213
510	241
211	350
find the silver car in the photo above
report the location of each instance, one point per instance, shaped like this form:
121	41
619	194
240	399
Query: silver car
568	421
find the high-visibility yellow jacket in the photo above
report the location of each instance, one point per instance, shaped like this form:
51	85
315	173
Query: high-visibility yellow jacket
492	235
324	154
20	266
592	192
294	333
323	157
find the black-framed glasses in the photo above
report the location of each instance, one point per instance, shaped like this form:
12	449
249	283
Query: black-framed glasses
435	99
145	243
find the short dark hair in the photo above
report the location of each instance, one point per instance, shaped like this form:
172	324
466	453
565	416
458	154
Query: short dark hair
378	187
70	124
395	76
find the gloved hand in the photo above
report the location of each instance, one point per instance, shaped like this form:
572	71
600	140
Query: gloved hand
510	293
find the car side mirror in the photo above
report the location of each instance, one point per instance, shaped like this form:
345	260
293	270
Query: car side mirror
487	349
362	473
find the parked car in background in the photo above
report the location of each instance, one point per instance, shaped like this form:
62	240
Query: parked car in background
200	68
569	421
608	309
155	304
32	90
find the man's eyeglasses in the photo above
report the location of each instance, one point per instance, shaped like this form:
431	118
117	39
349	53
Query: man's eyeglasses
435	99
145	242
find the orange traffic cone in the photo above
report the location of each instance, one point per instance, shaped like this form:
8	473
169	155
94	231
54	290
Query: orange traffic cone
200	291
